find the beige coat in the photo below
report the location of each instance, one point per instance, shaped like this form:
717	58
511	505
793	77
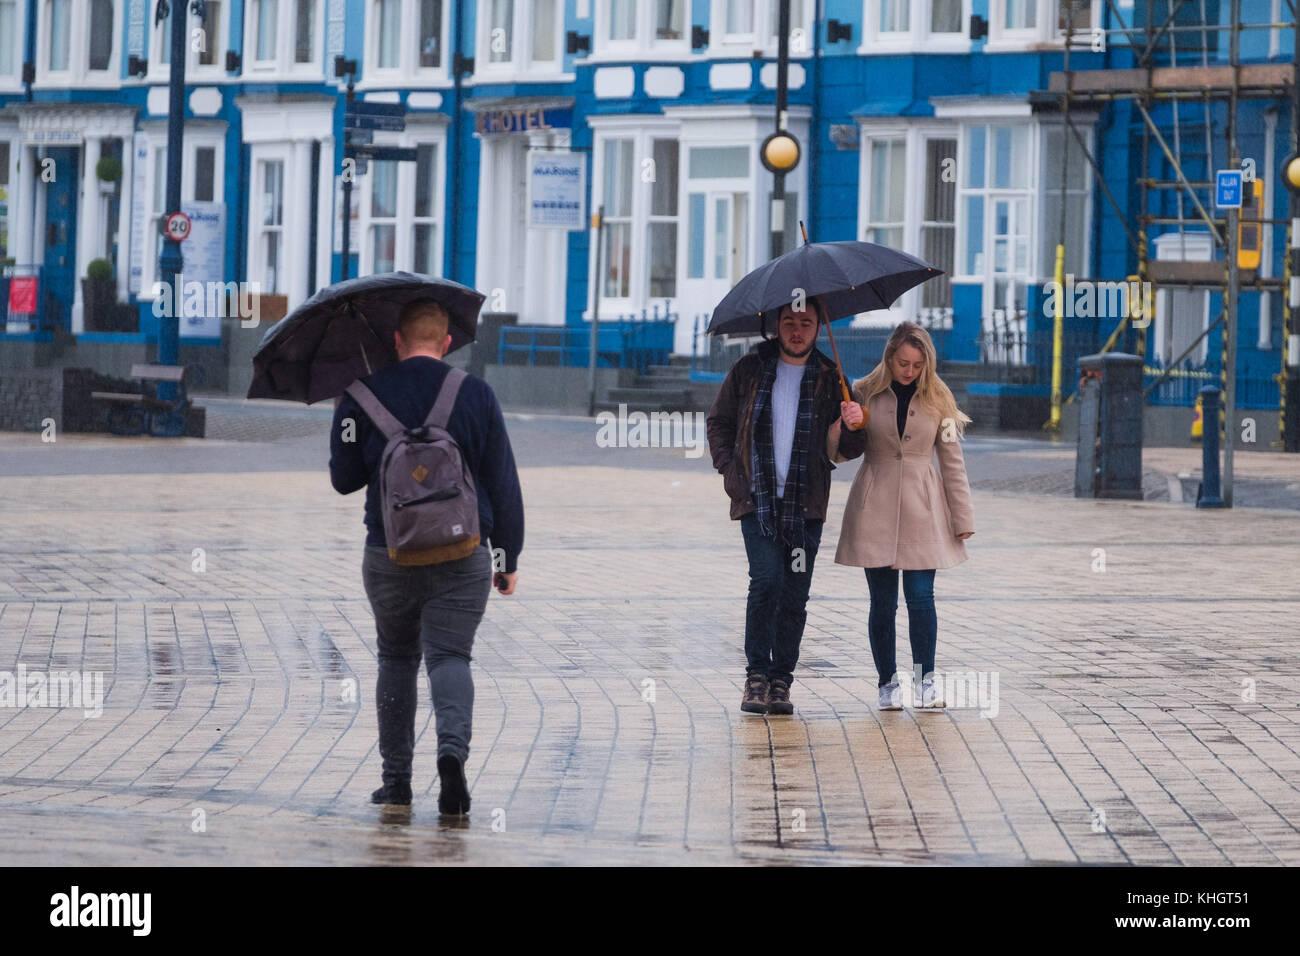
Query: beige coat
900	512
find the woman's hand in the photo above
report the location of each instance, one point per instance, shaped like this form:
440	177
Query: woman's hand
851	414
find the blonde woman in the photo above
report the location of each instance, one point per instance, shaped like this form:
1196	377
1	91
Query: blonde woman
902	514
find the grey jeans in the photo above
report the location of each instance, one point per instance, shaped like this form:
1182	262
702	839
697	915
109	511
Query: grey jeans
431	610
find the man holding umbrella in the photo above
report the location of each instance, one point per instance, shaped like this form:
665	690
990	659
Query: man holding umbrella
773	430
428	609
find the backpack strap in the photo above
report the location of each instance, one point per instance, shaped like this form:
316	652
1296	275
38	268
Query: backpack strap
372	406
441	411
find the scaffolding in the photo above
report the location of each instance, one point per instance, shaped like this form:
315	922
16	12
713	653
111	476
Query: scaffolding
1180	75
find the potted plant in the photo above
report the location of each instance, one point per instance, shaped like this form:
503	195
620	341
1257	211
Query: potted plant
109	172
98	294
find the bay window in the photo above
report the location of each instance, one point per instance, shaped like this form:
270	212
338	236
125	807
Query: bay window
1013	23
923	25
520	37
401	209
740	26
632	27
638	173
283	36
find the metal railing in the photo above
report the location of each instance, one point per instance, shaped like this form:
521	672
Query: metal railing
629	342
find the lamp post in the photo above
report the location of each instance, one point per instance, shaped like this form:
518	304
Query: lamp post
780	151
170	261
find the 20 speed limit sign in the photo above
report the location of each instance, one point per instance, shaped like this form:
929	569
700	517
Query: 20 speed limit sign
177	227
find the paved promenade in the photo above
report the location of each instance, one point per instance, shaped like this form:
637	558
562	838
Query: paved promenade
1147	707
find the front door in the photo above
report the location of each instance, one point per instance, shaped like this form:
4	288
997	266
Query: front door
60	273
717	255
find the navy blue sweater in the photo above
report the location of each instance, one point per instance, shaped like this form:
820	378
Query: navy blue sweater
408	390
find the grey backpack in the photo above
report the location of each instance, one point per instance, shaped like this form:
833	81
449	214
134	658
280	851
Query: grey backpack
426	491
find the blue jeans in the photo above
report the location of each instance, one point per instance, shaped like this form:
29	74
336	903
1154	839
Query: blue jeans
922	622
778	595
432	611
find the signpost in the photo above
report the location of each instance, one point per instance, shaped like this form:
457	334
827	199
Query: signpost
360	120
177	227
1228	194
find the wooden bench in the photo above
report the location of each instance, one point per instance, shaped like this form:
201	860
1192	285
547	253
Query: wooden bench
133	413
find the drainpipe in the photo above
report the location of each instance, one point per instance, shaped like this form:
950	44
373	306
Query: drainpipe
30	59
814	137
449	258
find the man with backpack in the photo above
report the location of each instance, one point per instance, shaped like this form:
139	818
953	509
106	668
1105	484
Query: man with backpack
430	445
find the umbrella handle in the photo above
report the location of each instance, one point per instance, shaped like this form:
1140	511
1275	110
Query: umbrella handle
844	386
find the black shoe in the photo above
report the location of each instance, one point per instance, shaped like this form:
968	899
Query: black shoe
756	690
454	798
778	698
398	794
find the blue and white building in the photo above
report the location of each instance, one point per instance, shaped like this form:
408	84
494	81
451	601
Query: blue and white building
914	134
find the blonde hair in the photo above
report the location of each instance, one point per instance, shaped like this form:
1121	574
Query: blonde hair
931	392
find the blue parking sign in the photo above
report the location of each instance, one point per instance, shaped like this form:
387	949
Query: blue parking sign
1227	188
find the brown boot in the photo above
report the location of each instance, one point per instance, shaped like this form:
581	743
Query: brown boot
755	699
778	698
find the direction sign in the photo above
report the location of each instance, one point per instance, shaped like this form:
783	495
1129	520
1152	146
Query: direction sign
393	124
398	153
177	227
354	137
1228	188
366	108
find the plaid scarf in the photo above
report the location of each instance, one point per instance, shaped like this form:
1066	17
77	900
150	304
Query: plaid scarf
788	526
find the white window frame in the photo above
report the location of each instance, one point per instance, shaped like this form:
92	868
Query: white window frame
9	135
78	72
723	44
263	153
197	136
283	66
1002	38
14	81
416	134
160	40
643	45
408	72
918	37
641	130
520	66
915	135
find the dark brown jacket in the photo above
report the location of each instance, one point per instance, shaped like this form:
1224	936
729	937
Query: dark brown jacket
729	430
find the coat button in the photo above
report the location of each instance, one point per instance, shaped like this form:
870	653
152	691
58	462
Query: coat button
898	456
911	413
907	438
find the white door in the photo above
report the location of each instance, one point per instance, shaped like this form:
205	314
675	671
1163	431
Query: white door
717	253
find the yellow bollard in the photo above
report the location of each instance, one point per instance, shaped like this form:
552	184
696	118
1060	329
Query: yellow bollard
1198	422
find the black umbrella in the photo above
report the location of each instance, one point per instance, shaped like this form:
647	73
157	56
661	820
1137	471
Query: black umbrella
849	277
345	332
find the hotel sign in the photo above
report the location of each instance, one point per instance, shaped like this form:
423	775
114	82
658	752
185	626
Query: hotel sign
491	122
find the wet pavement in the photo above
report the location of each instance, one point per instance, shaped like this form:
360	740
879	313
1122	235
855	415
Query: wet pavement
1145	711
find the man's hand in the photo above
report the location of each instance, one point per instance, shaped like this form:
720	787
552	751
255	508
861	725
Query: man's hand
965	534
505	581
851	413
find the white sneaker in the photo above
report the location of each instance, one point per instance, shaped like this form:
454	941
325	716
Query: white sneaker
891	697
931	698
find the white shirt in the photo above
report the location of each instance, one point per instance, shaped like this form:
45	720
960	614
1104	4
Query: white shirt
785	409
